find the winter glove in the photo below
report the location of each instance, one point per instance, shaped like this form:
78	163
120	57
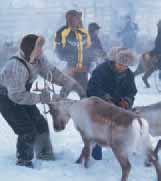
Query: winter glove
124	104
45	97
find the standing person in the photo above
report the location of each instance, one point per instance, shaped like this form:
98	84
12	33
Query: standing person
96	51
157	48
18	104
128	34
113	81
71	43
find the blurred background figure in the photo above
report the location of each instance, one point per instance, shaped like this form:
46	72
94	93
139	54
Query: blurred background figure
128	34
96	52
157	47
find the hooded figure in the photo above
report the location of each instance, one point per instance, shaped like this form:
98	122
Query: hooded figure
72	42
96	50
18	104
113	81
128	34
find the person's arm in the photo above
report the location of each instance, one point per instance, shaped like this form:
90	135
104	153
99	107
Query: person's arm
97	83
131	90
61	51
15	84
59	78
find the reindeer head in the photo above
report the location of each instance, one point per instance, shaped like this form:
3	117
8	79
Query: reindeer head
60	115
58	109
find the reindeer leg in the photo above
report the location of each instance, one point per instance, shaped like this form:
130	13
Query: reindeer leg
122	157
158	147
80	159
139	69
146	76
87	154
153	158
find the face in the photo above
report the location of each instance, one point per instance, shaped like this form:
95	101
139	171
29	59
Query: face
36	54
120	67
76	21
96	32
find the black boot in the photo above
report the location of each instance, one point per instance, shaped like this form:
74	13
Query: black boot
25	150
26	163
97	152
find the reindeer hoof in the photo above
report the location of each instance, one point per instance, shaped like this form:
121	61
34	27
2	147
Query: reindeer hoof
86	164
147	163
78	161
146	82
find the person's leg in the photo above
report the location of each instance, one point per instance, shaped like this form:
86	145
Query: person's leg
43	146
97	152
82	78
20	122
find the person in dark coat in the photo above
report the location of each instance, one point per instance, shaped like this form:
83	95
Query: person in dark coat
96	50
71	43
113	81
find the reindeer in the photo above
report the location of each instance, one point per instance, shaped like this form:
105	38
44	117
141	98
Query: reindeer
147	65
107	125
152	113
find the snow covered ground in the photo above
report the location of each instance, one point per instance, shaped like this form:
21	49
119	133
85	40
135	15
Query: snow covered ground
67	145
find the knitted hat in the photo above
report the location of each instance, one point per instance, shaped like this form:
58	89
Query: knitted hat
122	56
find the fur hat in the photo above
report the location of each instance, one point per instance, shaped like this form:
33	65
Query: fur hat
122	56
70	14
29	43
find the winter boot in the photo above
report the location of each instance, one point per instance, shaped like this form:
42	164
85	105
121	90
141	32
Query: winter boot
97	152
43	147
25	150
26	163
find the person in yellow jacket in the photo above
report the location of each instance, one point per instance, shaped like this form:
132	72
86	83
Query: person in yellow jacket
71	44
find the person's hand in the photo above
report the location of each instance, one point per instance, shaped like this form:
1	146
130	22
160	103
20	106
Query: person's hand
124	104
45	97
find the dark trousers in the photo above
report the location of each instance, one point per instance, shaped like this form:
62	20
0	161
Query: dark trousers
26	121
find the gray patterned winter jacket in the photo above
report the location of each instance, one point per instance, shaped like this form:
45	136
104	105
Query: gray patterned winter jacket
14	76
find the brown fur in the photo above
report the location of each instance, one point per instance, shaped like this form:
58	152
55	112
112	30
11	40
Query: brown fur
148	64
105	113
115	132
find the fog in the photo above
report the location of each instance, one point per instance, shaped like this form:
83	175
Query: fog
20	17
